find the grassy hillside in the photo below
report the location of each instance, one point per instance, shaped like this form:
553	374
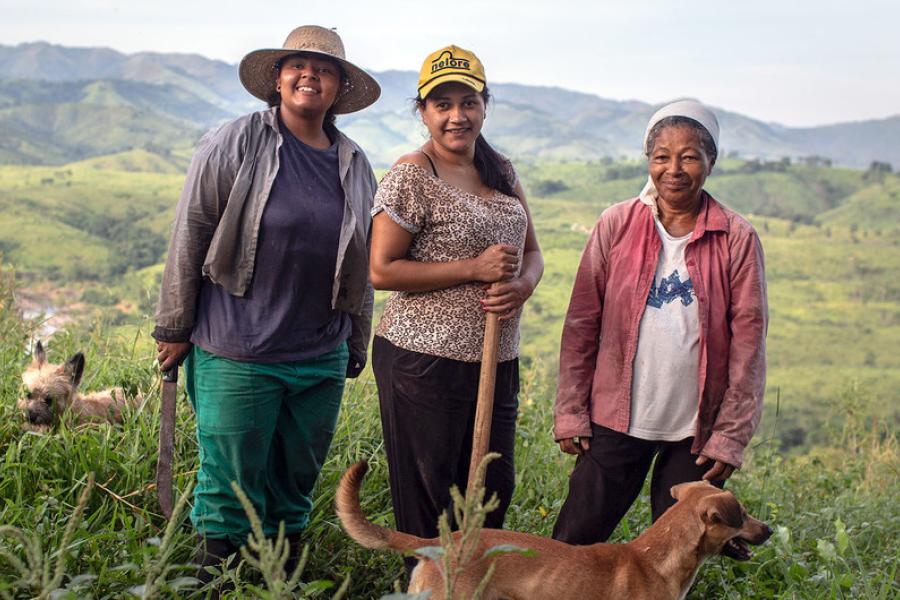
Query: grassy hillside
86	221
834	510
874	209
58	122
40	79
830	237
822	469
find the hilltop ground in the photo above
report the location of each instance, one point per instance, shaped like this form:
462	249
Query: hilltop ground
823	469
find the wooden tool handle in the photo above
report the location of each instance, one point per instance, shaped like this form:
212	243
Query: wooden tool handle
485	408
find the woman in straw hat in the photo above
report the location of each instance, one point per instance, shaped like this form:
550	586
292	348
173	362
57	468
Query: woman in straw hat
663	348
453	238
265	290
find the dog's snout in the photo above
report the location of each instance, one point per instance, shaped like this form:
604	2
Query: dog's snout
757	532
37	417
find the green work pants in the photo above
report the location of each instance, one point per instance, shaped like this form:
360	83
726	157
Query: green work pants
267	427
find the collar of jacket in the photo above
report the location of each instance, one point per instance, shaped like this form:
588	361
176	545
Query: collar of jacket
347	148
711	216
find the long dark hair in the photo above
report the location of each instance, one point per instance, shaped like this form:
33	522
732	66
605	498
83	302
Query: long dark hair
494	170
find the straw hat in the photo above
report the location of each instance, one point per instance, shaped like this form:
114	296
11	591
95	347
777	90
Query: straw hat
257	70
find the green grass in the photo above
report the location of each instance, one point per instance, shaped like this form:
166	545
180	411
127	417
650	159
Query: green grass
84	221
851	478
823	468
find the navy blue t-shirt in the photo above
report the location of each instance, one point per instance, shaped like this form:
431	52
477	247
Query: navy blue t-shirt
286	313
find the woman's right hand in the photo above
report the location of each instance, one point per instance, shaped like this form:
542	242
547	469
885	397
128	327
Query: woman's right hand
575	445
496	263
171	354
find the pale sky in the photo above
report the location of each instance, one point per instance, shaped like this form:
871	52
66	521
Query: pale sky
799	63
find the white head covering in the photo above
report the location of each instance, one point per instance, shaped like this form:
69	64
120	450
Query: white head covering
682	108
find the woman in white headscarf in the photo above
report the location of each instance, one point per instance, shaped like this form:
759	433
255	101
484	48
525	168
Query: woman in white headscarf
663	348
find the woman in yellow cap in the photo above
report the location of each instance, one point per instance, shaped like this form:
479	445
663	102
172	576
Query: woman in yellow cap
452	237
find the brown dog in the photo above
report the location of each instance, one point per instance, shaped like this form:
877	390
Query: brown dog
660	564
51	389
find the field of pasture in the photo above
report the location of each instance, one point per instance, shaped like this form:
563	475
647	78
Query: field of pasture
834	508
823	469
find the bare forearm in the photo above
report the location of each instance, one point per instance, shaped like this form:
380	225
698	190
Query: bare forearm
403	275
532	268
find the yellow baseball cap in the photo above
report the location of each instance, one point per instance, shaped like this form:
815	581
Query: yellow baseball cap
451	63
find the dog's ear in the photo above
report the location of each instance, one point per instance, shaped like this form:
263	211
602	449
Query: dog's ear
680	491
39	356
722	508
74	368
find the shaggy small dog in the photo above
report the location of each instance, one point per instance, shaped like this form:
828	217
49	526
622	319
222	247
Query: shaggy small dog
51	389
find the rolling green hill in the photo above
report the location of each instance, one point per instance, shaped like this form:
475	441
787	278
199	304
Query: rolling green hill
85	221
831	238
54	123
54	105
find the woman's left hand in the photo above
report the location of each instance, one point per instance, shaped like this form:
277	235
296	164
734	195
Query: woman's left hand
719	471
505	297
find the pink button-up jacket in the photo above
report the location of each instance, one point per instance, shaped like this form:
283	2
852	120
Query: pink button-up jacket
600	335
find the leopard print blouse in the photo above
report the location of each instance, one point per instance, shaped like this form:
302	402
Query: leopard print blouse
447	224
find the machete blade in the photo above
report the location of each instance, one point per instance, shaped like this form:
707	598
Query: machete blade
166	441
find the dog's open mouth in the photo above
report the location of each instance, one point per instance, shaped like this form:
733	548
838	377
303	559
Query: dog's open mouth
737	549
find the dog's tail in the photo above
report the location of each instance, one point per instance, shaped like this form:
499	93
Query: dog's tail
359	527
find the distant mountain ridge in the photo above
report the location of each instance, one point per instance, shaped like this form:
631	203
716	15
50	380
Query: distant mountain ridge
59	104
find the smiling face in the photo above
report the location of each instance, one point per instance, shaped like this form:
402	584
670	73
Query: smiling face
308	85
454	114
679	166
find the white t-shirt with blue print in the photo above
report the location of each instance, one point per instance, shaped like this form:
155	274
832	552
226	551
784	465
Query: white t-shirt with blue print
664	390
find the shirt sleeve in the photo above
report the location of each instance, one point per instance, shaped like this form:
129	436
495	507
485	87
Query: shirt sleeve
580	342
203	198
361	331
402	196
741	408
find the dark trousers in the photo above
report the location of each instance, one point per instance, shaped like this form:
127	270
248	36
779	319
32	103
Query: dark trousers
427	415
608	478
